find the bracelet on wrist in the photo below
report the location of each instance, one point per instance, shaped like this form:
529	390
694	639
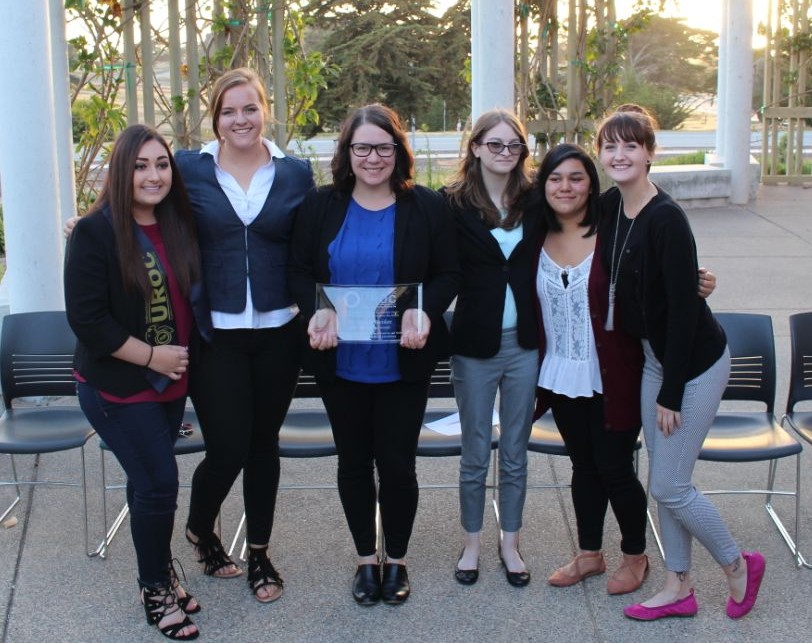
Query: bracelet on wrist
151	352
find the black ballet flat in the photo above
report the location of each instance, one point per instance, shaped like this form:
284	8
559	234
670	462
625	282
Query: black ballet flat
466	576
395	588
517	579
366	586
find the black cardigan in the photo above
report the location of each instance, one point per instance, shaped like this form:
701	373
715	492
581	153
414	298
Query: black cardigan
657	292
102	315
425	251
476	329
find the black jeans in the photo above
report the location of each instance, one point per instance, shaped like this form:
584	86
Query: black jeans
241	389
142	437
602	473
377	426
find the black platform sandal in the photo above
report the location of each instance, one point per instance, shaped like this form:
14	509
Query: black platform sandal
174	581
212	555
160	602
261	573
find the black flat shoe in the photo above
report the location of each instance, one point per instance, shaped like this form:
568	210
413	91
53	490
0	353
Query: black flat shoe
517	579
366	586
395	588
466	576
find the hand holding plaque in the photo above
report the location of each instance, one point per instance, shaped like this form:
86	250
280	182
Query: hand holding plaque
372	314
322	330
415	328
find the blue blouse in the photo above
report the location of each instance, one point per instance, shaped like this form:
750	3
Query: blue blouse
362	253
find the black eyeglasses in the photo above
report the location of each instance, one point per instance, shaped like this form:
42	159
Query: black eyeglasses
496	147
384	150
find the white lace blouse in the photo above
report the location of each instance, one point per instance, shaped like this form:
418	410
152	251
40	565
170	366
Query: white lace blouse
570	366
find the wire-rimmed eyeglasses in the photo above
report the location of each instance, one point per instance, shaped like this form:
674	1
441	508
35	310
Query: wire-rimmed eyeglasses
496	147
384	150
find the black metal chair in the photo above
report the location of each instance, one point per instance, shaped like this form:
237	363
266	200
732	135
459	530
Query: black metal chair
753	436
189	441
36	360
800	387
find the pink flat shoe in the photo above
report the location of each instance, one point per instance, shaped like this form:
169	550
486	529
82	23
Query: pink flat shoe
755	572
683	607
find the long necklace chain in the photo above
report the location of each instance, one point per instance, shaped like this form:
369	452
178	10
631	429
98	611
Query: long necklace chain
614	267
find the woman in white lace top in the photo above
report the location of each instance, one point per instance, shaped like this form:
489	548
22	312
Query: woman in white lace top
589	377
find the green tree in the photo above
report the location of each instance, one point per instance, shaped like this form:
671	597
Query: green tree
395	52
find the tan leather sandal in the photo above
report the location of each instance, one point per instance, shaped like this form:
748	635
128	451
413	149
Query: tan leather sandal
581	567
629	576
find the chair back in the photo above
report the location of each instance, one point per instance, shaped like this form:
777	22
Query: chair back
800	378
752	357
36	356
440	385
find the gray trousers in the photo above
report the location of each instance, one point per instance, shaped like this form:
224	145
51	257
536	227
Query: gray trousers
513	371
683	511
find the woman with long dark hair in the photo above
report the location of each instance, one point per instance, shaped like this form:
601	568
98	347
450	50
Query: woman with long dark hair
132	290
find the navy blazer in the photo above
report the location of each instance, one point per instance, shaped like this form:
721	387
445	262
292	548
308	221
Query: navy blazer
424	251
620	356
227	246
476	329
102	315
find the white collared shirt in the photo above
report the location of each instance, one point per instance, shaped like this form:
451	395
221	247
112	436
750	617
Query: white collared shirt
248	204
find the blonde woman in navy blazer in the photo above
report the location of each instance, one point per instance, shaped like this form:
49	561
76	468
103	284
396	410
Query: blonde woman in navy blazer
244	191
494	337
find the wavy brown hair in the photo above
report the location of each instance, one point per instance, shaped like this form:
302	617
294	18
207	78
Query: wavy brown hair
174	215
466	187
402	179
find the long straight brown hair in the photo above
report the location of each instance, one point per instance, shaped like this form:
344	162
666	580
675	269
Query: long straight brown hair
174	215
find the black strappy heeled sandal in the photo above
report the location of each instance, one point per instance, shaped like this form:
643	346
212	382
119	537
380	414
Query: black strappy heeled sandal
212	555
160	602
174	581
261	573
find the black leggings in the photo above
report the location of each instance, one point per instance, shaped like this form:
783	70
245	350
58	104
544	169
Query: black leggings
241	390
377	425
602	473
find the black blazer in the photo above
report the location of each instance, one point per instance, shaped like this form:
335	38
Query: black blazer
102	314
476	330
425	251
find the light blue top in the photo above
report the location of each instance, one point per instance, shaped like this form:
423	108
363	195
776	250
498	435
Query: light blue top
362	253
508	240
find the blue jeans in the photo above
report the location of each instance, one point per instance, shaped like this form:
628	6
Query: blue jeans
142	437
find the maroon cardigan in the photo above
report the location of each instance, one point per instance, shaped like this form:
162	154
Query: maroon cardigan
620	355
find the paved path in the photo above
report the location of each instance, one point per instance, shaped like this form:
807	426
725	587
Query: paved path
49	590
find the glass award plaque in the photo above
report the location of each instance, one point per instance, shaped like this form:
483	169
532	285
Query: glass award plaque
370	314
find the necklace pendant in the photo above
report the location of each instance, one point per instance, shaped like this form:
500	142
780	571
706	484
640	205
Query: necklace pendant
610	315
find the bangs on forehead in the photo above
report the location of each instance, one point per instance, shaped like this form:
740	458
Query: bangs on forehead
626	126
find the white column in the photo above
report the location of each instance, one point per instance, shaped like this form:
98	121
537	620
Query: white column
721	81
738	91
492	55
63	121
28	160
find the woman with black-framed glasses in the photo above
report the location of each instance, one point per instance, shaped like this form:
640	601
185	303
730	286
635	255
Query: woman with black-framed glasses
373	226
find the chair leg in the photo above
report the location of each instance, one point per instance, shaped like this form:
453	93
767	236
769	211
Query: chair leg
16	484
108	533
650	519
792	541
